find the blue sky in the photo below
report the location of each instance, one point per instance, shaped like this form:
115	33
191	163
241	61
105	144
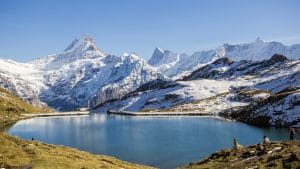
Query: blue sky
36	28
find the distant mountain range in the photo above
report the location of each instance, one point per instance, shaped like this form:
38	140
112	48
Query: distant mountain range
176	65
83	76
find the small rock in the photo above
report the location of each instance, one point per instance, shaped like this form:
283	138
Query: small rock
293	157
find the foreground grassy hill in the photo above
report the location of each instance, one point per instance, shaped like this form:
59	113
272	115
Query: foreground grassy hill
18	153
275	155
12	108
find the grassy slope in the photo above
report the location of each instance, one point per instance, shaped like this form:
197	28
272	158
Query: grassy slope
254	157
11	108
17	153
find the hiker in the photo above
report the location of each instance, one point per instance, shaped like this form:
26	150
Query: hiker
266	140
236	145
292	133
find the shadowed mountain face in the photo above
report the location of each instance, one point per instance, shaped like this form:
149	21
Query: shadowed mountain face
227	68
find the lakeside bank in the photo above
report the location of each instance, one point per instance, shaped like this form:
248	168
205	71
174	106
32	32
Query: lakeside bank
156	113
19	153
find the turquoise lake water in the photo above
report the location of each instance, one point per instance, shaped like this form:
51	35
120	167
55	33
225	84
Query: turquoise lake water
164	142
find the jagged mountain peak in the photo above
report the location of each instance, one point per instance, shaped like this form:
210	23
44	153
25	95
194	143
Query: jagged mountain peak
163	57
86	42
156	57
161	52
79	49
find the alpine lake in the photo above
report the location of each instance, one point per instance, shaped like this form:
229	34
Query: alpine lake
163	142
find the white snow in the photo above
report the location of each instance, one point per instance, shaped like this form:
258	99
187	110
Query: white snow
185	91
283	112
173	64
80	75
261	96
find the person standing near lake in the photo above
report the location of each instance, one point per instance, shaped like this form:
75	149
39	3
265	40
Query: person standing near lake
236	145
266	140
292	133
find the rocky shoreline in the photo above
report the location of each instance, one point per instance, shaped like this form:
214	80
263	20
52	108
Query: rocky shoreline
277	110
275	155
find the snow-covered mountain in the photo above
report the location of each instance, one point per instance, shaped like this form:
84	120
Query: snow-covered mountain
221	85
274	74
164	59
281	109
80	76
83	76
22	79
168	94
176	65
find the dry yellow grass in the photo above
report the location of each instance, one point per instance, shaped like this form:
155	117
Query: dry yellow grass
15	153
11	108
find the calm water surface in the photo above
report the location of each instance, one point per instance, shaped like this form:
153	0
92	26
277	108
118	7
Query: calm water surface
164	142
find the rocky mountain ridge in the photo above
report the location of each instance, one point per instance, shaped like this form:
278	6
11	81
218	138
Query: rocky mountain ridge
177	65
222	85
